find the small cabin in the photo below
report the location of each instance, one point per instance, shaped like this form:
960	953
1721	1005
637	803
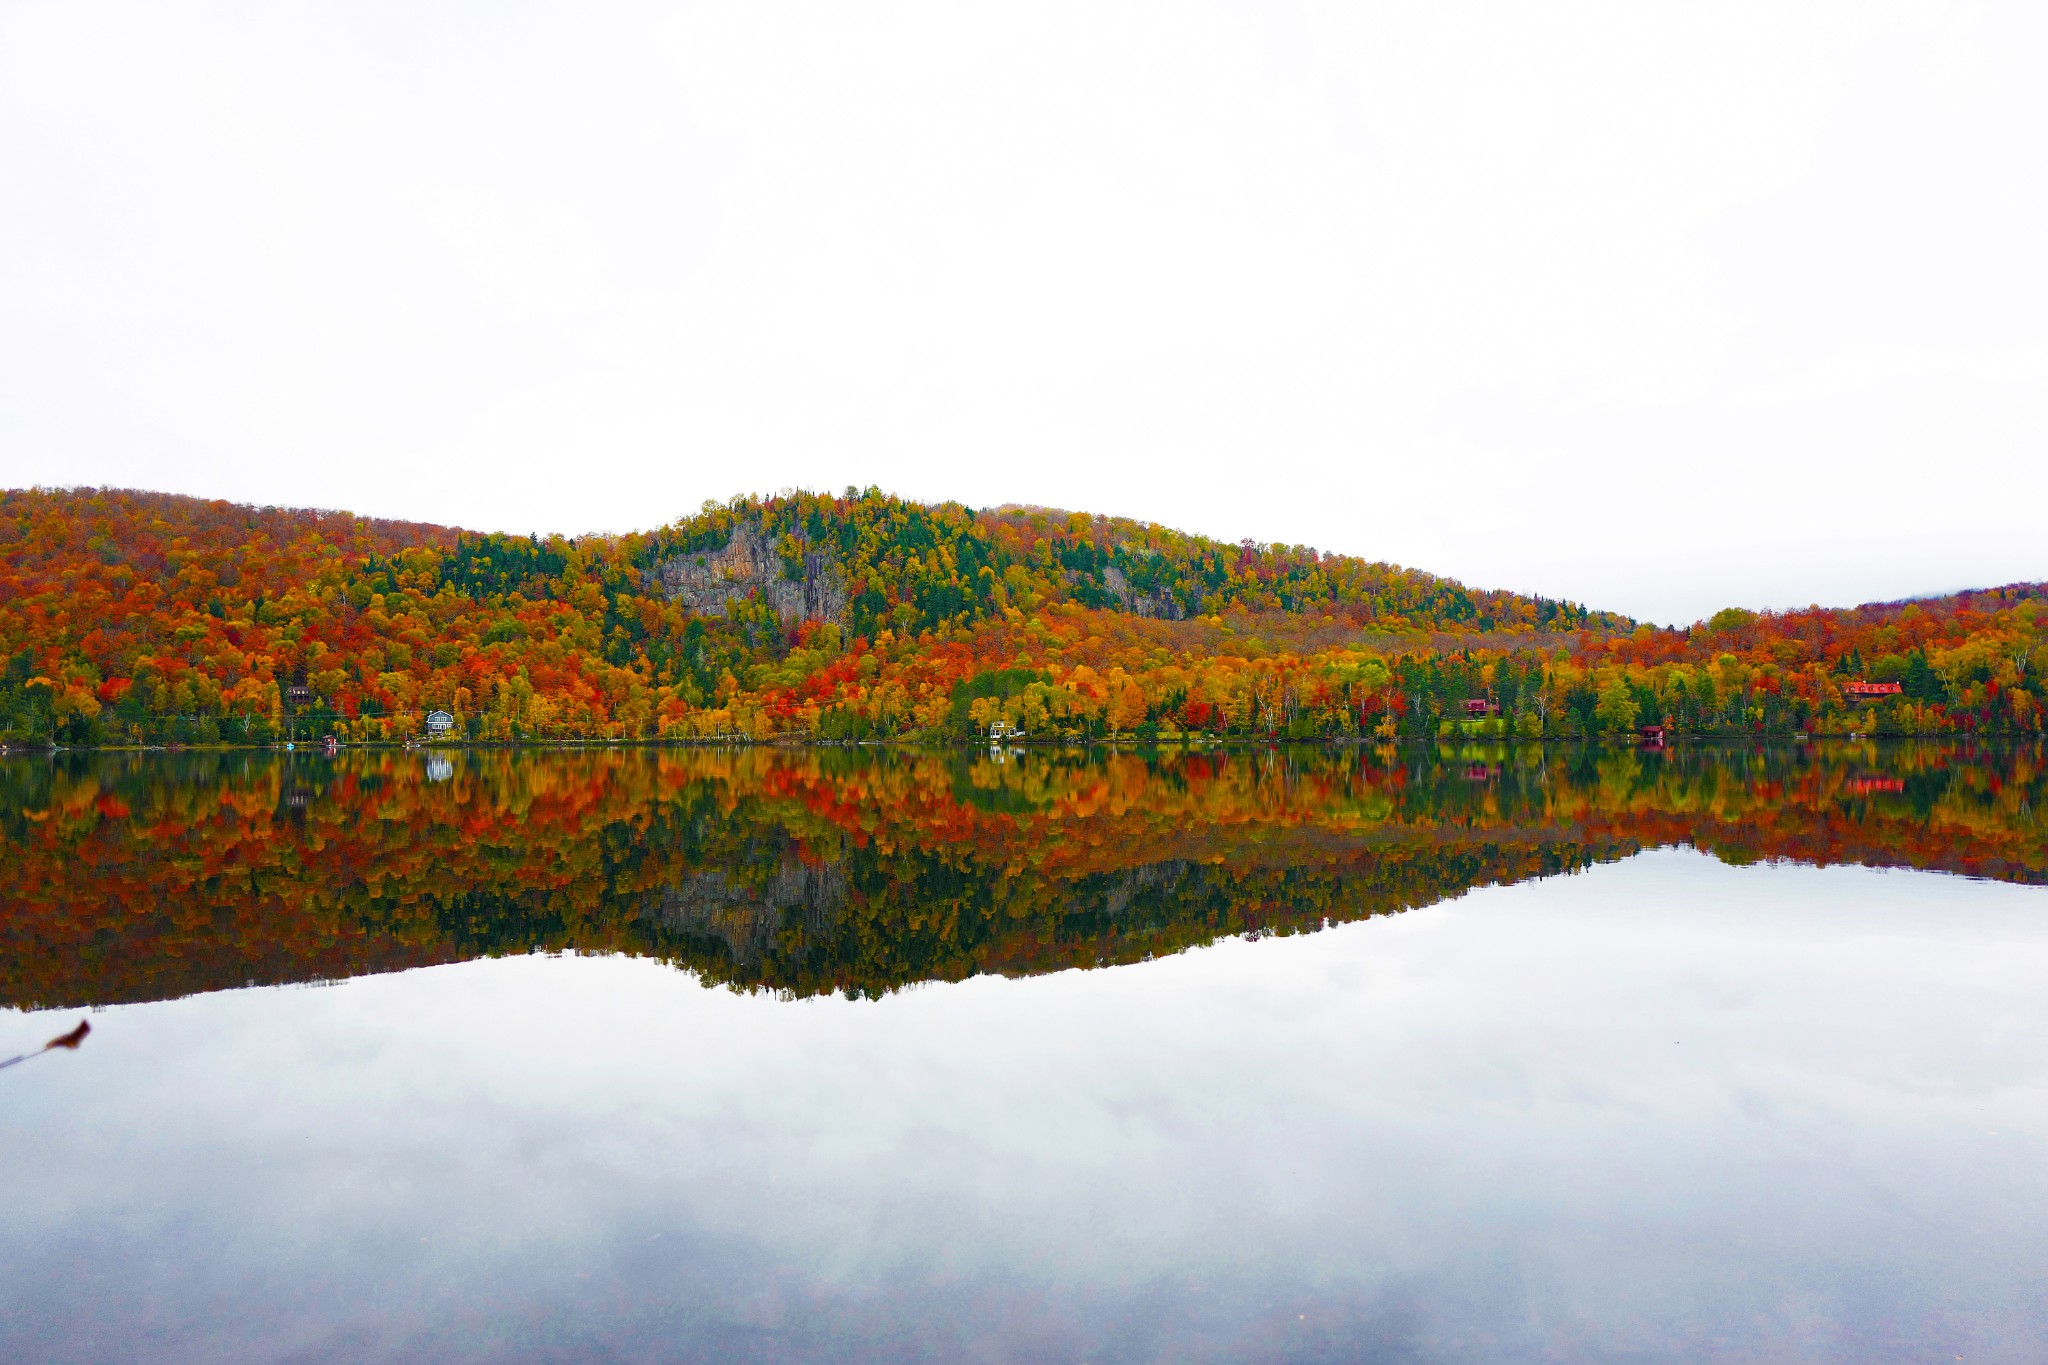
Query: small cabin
298	696
439	722
1651	735
1860	688
998	731
1481	707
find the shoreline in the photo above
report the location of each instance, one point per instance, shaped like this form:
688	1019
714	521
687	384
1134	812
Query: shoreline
1123	744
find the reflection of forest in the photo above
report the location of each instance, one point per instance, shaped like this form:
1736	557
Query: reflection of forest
150	876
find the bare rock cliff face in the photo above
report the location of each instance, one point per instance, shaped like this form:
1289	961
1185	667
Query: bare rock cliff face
748	564
1158	603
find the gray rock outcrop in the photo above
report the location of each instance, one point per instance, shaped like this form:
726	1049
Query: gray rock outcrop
748	916
1158	603
749	564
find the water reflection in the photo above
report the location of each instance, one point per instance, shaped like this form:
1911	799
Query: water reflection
1668	1110
1679	1107
145	877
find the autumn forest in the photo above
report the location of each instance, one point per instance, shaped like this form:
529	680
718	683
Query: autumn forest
144	618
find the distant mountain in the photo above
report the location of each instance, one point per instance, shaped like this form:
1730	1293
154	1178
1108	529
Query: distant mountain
883	563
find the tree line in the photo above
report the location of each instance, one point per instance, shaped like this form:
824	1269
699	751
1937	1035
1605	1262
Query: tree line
132	617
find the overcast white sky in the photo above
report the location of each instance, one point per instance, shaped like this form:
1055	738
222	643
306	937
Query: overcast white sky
1658	307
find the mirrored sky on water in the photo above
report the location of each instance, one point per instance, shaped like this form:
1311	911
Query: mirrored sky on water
1662	1109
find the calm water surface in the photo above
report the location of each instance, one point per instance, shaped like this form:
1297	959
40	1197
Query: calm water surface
1515	1054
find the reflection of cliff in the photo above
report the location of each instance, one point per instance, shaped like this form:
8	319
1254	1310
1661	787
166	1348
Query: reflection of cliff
149	876
746	916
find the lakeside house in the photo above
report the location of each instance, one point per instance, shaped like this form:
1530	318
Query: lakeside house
439	722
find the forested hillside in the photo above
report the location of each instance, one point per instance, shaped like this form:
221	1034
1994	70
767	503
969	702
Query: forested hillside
144	617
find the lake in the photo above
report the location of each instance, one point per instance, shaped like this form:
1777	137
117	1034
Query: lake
1504	1054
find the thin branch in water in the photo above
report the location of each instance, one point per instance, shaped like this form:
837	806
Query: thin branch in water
69	1040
